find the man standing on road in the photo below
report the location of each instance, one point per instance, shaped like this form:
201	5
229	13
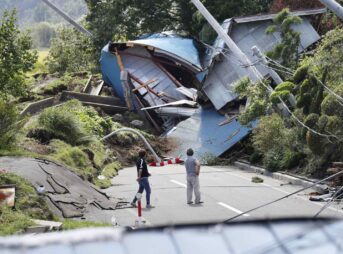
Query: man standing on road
193	171
143	179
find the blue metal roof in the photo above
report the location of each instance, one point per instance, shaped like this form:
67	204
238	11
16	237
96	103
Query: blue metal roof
111	72
174	45
204	133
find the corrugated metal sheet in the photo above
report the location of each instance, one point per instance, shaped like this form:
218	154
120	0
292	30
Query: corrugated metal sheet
219	85
145	69
139	63
179	48
282	237
111	72
203	133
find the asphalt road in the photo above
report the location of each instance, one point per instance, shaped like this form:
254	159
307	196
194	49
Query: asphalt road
226	192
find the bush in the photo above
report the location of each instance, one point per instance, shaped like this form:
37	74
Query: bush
111	170
75	158
291	159
255	158
270	134
331	106
273	160
62	124
103	184
301	73
8	118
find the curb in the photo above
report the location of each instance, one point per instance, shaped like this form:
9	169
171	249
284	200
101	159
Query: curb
282	177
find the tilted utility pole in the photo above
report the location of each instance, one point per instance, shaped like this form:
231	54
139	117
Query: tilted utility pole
69	19
334	7
252	72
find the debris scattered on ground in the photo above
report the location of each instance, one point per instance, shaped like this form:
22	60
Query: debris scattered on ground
256	179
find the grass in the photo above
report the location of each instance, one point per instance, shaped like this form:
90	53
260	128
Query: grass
74	224
12	222
40	66
27	199
29	205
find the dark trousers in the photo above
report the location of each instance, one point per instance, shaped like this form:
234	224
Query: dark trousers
144	185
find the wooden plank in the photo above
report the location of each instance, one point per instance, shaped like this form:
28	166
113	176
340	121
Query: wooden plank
145	85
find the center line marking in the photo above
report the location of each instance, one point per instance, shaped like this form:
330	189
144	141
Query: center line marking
179	183
232	209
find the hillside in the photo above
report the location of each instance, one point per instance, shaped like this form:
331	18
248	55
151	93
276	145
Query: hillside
31	12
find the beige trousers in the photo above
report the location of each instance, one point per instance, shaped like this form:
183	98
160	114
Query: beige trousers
193	185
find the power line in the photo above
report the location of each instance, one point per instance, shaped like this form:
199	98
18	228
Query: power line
291	72
337	195
270	89
284	197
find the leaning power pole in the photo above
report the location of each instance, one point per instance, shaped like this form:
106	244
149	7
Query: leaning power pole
69	19
334	7
252	71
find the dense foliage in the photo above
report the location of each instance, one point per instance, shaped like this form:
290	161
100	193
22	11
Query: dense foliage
16	57
8	124
126	19
313	136
286	51
70	52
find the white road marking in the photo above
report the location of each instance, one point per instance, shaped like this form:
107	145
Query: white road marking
232	209
286	192
179	183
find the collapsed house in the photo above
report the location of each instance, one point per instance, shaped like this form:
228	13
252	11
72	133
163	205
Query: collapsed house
186	88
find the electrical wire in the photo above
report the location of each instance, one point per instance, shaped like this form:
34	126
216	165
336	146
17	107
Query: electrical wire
291	72
334	196
284	197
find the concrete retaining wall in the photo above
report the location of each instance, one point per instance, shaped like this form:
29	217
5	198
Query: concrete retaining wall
38	106
66	95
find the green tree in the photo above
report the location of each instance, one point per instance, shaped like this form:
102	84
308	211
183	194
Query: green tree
42	33
70	52
126	19
16	57
287	50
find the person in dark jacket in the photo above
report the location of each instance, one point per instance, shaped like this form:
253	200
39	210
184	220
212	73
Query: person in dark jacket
143	179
